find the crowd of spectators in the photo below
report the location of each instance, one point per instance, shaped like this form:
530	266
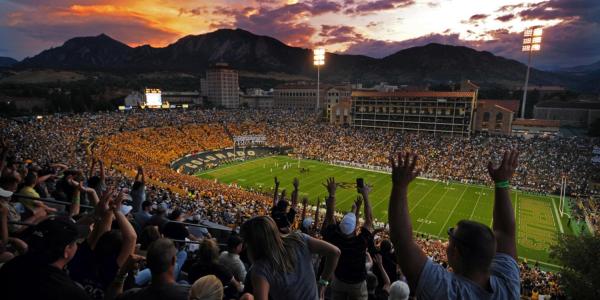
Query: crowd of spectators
129	244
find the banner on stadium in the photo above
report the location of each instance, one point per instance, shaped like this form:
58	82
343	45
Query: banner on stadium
249	139
192	163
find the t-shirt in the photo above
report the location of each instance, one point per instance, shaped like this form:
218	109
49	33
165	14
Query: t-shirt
233	262
436	282
25	278
161	292
94	273
351	265
301	284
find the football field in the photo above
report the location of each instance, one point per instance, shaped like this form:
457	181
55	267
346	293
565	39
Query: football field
434	206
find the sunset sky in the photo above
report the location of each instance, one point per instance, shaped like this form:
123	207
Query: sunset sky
371	27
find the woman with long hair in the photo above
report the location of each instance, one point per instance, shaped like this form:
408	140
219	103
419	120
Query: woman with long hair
281	264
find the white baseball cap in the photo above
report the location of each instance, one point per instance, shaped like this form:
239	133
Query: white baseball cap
399	290
348	223
5	194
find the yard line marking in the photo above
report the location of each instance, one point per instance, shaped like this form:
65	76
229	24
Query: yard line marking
476	203
556	215
408	195
433	208
417	204
453	209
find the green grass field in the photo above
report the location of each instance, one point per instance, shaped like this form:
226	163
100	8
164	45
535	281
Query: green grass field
434	206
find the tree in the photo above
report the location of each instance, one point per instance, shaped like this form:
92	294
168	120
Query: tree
579	257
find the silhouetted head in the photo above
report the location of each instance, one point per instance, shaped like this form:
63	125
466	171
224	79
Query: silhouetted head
471	247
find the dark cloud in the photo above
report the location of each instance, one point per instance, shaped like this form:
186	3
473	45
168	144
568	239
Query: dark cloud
378	5
286	22
505	18
510	8
586	10
565	44
475	19
339	34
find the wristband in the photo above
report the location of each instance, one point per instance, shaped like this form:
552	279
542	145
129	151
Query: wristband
502	184
323	282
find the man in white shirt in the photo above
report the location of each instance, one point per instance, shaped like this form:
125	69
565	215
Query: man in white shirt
231	257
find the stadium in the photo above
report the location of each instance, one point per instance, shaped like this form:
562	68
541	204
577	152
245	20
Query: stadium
212	170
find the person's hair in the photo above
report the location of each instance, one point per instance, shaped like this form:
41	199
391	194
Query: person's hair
148	235
385	246
233	241
146	204
476	244
8	182
30	179
208	251
264	242
208	287
160	256
109	244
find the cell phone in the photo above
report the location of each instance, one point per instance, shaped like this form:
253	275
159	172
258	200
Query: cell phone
360	183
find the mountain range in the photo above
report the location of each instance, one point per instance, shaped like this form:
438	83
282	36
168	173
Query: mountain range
432	63
7	61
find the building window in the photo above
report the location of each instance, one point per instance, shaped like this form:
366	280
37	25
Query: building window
499	117
486	116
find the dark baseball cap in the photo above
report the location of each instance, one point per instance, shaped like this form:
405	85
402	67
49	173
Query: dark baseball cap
56	233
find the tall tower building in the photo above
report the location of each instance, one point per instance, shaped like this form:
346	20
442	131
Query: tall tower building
222	86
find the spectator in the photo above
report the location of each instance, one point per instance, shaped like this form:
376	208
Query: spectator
138	190
399	290
207	263
161	260
208	287
231	257
40	274
350	277
484	261
281	266
143	216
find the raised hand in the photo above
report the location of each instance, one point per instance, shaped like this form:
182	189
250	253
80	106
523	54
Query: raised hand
403	169
507	168
330	186
296	183
276	182
358	202
365	190
304	201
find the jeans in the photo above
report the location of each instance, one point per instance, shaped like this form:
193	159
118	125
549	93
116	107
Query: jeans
144	276
349	291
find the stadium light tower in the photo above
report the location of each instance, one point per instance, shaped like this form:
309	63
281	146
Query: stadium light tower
319	60
532	42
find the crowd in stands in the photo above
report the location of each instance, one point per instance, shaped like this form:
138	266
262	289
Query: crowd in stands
118	230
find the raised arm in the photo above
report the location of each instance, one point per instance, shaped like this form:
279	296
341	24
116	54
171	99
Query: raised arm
129	235
304	204
295	193
275	191
317	214
101	166
331	254
368	210
356	209
378	262
330	202
92	166
139	176
410	256
504	217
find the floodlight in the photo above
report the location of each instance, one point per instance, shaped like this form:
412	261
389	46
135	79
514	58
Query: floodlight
319	56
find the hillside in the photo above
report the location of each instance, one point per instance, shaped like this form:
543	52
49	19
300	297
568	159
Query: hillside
434	63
